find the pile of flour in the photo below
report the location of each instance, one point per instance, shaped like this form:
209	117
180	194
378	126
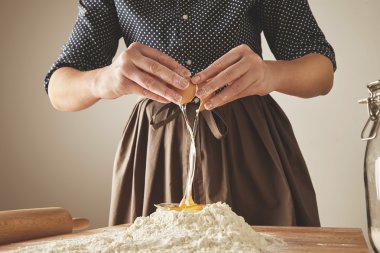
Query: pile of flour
214	229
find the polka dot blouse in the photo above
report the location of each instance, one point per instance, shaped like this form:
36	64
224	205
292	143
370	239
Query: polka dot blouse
195	33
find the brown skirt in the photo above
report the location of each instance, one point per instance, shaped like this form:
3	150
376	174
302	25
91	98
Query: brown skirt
247	156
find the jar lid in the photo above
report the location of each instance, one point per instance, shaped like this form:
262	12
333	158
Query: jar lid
373	105
374	89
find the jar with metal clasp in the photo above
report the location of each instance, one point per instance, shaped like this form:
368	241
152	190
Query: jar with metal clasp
371	134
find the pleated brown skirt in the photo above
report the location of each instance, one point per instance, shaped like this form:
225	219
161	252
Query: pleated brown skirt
247	156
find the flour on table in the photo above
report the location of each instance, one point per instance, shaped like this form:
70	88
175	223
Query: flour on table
214	229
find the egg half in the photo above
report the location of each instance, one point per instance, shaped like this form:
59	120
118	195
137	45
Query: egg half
188	95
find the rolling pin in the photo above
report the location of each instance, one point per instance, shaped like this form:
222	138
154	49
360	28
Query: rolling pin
26	224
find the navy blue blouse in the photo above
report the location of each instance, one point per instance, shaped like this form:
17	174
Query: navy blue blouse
194	32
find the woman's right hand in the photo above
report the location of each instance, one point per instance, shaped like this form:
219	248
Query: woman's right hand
143	71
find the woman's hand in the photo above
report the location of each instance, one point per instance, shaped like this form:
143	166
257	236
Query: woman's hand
246	74
241	69
144	71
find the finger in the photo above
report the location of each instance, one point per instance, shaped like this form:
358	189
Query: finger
230	93
165	60
204	101
218	66
153	84
127	86
145	93
160	71
227	76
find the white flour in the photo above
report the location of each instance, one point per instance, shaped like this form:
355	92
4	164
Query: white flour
215	229
375	234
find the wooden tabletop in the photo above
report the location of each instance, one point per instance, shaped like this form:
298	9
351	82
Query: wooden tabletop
318	240
298	239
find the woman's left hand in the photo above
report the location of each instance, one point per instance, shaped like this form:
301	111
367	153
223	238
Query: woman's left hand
241	69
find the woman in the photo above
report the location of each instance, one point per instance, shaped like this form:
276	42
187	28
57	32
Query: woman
247	153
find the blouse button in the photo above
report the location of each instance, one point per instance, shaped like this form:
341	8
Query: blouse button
196	100
188	62
185	17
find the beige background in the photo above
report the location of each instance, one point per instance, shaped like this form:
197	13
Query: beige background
50	158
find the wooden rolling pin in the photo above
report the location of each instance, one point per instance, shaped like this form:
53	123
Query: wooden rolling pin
27	224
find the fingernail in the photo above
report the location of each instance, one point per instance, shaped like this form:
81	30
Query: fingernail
209	105
196	79
186	73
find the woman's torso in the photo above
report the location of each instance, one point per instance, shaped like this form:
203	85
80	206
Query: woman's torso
194	33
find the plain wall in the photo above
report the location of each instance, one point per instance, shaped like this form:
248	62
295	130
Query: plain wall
51	158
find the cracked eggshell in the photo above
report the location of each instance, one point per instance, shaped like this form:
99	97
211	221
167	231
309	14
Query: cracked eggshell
187	94
204	101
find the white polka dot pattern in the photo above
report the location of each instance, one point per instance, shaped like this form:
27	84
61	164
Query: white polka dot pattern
191	31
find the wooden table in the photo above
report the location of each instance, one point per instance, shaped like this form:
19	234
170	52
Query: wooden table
298	239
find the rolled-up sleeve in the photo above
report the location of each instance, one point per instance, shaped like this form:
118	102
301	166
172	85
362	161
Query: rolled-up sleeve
94	39
292	31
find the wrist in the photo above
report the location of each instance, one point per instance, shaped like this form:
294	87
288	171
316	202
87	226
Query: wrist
274	75
95	78
270	76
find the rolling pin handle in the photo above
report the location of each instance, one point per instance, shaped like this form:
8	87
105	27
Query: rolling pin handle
80	223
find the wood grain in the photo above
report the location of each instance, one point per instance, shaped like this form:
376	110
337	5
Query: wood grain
298	239
26	224
318	240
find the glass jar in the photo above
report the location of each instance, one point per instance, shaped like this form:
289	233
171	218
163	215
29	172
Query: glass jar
371	134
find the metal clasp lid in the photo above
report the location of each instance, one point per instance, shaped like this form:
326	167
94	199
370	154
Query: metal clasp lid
373	104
